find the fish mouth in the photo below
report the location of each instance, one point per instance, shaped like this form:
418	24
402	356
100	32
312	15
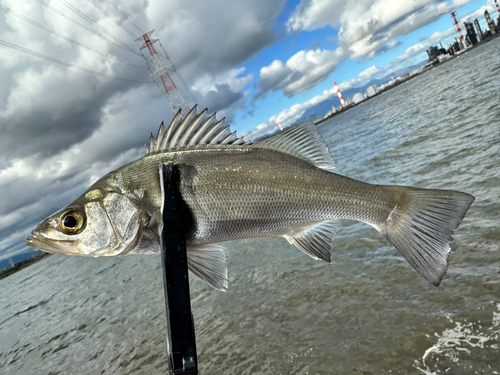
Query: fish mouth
40	242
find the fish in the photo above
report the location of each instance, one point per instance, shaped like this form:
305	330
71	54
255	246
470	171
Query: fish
282	185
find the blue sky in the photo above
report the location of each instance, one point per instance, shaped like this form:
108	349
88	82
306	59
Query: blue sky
77	102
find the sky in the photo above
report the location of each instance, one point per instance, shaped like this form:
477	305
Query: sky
76	99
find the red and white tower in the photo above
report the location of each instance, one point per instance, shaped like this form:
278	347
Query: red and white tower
160	74
339	94
457	26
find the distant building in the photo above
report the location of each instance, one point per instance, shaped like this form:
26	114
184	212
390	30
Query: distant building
454	48
478	28
434	52
358	97
491	23
470	33
415	71
392	82
371	91
443	58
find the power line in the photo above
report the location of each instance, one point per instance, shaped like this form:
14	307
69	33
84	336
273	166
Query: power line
107	14
125	15
52	31
64	63
126	48
88	19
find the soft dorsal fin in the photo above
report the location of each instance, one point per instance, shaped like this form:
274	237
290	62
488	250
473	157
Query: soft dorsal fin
303	141
191	131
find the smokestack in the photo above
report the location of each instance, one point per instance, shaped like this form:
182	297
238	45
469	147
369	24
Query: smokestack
457	26
490	22
478	28
339	94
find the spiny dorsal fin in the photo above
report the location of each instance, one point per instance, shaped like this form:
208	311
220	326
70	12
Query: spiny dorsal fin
192	131
303	141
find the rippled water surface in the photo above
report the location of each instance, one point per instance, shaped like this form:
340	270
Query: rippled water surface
367	313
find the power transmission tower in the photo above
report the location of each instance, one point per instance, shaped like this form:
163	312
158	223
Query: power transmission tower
160	74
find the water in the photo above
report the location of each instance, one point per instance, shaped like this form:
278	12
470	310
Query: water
367	313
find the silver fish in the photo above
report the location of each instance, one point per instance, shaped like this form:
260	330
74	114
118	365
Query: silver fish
281	185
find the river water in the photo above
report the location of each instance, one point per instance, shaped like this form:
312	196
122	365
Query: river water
284	313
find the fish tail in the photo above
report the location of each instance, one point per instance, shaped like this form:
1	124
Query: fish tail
421	226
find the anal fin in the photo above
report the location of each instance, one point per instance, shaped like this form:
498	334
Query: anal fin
316	241
209	263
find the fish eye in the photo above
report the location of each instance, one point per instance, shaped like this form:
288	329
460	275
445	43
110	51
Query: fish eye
72	221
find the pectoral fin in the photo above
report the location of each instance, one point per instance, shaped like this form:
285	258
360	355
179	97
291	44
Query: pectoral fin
316	241
209	263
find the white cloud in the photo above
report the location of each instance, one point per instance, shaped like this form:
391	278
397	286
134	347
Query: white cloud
208	82
288	116
421	47
222	92
367	27
315	14
302	71
362	78
201	38
296	111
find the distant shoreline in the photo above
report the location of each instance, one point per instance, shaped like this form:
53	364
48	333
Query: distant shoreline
20	265
326	118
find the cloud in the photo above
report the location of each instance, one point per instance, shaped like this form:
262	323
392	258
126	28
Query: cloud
224	101
301	71
421	47
296	111
288	116
362	78
222	92
48	110
202	39
231	78
366	27
315	14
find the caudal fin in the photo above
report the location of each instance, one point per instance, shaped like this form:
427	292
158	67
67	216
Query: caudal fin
421	228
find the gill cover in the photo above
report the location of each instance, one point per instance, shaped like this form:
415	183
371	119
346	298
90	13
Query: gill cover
115	225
